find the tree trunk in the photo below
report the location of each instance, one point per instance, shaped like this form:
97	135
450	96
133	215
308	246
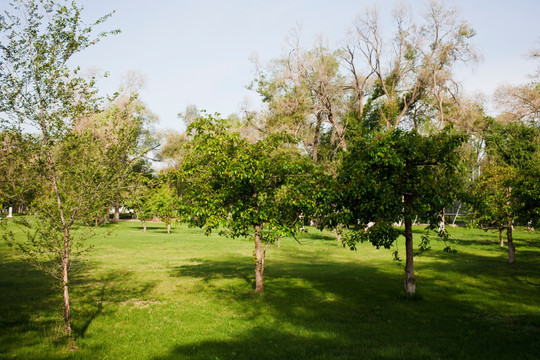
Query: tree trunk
116	216
501	238
409	283
338	233
316	137
441	223
259	258
511	247
509	239
65	284
66	250
168	228
144	225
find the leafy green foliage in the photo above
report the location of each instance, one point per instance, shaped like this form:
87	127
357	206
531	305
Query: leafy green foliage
382	171
17	162
262	190
230	182
507	189
164	200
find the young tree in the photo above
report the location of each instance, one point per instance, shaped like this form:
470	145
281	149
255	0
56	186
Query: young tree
17	161
394	176
39	89
256	189
140	199
493	205
165	200
507	191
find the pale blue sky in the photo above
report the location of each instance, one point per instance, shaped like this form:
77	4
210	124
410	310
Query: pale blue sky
197	52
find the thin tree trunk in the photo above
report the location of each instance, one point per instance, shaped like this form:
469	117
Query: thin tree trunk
409	283
66	252
259	264
338	233
144	225
509	239
501	238
168	228
65	284
316	137
511	246
441	224
457	214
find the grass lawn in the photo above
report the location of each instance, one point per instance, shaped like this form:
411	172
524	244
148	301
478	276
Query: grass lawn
187	296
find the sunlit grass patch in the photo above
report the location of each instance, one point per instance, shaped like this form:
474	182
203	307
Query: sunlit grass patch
157	296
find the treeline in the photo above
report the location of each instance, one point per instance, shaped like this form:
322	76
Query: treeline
362	140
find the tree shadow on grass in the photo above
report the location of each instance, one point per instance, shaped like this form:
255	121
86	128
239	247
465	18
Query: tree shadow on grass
357	311
31	307
94	297
313	234
30	302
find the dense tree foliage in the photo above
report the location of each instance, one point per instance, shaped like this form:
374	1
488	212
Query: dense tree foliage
507	191
395	176
17	162
260	190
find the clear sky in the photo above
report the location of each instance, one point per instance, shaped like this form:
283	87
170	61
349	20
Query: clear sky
197	51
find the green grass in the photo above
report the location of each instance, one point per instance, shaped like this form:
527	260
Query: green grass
187	296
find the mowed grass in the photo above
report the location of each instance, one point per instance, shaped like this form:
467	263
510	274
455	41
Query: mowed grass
187	296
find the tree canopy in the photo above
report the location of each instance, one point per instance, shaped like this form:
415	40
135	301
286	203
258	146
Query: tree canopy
261	190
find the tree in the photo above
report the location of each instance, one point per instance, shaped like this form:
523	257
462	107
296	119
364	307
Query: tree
39	89
305	94
172	148
394	176
260	189
522	101
165	201
493	205
411	71
140	199
17	161
125	112
507	192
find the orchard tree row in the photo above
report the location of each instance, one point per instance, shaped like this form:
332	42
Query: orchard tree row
361	140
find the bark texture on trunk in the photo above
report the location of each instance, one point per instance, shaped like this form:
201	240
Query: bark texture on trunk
501	238
259	261
116	216
441	223
511	246
409	283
